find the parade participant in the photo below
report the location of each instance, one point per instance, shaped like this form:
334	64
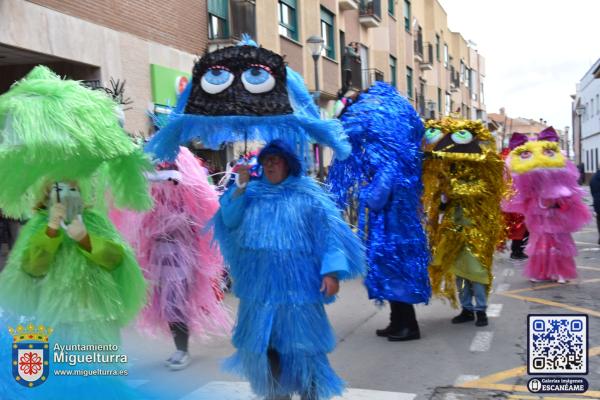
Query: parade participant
548	194
383	177
516	230
174	248
282	236
287	247
246	93
62	148
464	184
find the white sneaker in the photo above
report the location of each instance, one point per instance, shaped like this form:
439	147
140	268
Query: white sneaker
534	280
179	360
561	279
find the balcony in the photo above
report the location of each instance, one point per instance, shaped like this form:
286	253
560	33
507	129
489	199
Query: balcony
370	76
370	13
454	80
421	105
418	48
353	80
348	5
426	63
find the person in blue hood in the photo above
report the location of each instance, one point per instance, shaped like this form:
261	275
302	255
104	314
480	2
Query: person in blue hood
288	248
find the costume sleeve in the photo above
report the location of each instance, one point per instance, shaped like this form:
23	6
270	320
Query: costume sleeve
379	190
105	253
335	263
232	207
40	252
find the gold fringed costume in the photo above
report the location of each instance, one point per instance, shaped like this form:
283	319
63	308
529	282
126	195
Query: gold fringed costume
464	183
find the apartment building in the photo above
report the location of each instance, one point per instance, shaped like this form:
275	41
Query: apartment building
404	42
151	45
586	120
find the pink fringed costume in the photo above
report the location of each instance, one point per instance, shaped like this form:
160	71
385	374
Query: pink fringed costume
175	250
548	195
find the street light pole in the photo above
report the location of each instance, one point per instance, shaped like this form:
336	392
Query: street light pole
315	45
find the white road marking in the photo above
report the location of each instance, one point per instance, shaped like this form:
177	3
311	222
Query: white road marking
494	310
241	391
503	287
482	341
590	249
464	379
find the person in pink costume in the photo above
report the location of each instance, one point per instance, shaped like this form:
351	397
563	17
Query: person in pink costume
175	250
547	193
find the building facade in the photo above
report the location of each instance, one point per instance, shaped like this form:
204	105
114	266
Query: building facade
586	120
404	42
151	45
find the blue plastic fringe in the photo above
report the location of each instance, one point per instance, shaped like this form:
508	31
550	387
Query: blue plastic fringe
383	177
276	255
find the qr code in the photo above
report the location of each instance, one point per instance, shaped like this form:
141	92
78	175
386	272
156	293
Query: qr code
557	344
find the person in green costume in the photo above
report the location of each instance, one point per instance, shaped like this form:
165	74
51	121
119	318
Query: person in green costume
61	151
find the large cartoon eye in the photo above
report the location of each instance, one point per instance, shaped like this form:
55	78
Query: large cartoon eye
549	153
525	155
258	79
216	79
433	135
462	137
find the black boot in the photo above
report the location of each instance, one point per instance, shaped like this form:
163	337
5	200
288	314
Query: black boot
395	321
481	318
464	316
409	328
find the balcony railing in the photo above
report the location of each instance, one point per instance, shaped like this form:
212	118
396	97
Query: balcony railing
427	63
352	77
419	48
371	75
370	13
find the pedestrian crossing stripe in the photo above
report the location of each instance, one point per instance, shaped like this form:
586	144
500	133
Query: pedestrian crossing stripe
241	391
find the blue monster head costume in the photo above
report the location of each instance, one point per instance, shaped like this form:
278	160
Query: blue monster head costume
246	92
383	178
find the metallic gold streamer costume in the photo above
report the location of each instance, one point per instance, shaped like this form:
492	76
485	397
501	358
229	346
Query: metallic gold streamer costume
464	184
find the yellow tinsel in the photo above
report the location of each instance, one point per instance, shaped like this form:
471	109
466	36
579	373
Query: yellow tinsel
475	182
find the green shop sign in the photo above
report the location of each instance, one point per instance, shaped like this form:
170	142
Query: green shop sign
167	84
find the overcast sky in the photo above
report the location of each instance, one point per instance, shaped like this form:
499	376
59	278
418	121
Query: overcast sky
535	51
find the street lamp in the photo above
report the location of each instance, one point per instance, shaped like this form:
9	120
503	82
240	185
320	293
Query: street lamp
315	45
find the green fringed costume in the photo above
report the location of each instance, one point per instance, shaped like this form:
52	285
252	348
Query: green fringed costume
58	130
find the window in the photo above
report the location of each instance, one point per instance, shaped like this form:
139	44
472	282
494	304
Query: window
437	47
587	160
446	55
597	104
439	93
409	82
463	75
481	96
448	105
595	167
288	20
327	32
393	71
592	107
218	16
407	15
391	7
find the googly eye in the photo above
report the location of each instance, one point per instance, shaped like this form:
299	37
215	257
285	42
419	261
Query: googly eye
216	79
258	79
462	137
525	155
433	135
549	153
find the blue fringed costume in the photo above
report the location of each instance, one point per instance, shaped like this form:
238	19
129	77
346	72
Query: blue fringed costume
279	240
383	179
